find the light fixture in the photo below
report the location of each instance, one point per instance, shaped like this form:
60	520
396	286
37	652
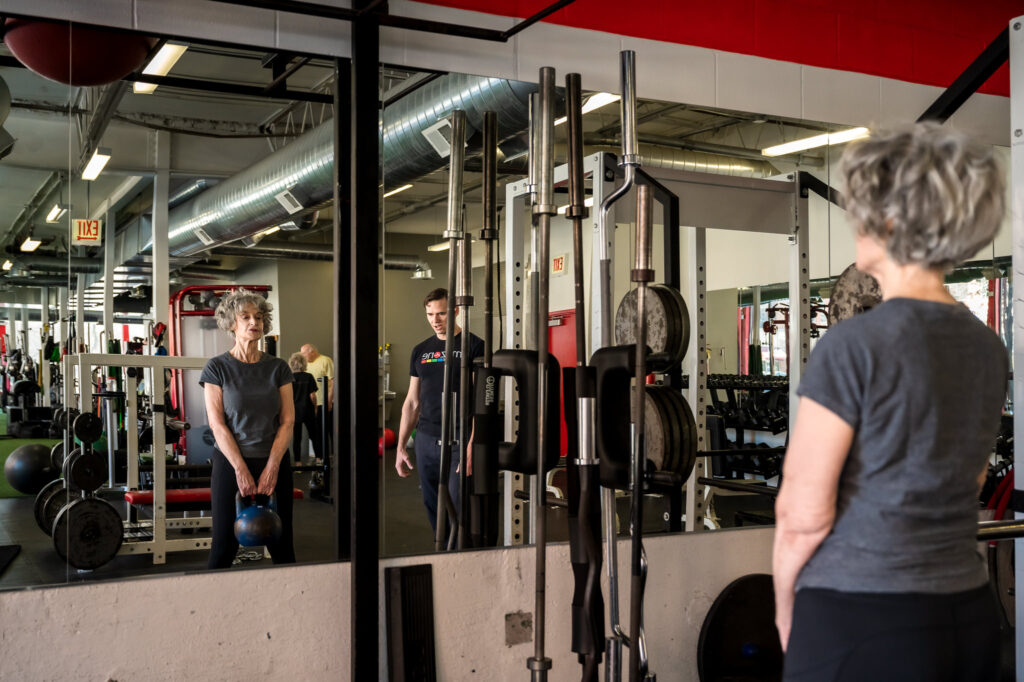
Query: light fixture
96	163
8	265
443	246
588	202
160	65
816	141
30	244
269	231
396	191
593	103
56	213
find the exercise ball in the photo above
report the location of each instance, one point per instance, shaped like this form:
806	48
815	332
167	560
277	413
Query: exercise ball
257	523
29	468
74	54
389	438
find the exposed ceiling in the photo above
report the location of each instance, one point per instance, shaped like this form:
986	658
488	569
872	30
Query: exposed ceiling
216	134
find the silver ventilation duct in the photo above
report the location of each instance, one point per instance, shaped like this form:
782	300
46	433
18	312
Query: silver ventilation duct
321	252
188	191
29	281
300	175
655	156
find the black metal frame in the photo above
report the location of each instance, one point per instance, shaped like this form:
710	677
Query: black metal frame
367	9
968	82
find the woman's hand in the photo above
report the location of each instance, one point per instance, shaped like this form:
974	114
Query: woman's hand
246	485
268	479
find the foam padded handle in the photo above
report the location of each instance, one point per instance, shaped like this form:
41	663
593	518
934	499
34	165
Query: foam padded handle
614	367
521	455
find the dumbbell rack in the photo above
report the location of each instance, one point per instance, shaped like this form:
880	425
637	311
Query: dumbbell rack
141	537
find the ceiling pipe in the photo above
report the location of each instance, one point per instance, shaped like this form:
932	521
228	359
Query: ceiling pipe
319	252
57	263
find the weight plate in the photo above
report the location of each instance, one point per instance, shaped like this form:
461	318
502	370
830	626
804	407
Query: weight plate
669	424
657	322
673	323
88	471
56	500
680	428
40	503
738	640
854	292
66	467
88	428
88	533
656	433
57	456
683	319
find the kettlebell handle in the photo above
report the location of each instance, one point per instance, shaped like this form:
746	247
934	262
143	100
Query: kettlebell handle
243	502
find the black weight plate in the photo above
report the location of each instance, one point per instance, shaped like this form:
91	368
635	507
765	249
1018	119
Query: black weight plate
656	434
680	428
664	358
68	461
57	456
88	471
51	506
738	640
88	428
669	425
690	445
88	533
682	317
40	503
657	322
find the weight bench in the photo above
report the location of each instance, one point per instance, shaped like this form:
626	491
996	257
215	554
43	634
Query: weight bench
183	499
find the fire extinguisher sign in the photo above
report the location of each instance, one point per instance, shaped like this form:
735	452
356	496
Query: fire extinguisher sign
86	232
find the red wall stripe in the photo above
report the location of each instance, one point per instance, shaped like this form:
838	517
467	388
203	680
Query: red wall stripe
921	41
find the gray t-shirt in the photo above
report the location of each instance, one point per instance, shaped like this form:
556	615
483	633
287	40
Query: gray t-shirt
252	398
922	383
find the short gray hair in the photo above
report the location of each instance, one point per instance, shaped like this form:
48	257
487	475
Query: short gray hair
233	302
297	363
934	195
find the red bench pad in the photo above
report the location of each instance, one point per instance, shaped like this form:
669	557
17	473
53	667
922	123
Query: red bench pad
175	495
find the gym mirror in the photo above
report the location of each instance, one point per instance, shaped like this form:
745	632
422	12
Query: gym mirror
226	150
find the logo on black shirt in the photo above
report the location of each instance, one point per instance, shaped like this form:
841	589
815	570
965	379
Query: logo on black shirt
436	356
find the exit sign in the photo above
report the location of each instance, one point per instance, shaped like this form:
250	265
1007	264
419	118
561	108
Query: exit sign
558	264
86	232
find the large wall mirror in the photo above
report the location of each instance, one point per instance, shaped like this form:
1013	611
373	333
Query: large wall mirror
228	151
748	350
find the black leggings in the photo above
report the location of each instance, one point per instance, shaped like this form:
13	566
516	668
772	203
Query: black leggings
307	419
223	487
845	636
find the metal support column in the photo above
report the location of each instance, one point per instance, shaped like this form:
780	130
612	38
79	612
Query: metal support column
696	368
363	292
799	297
1017	216
80	339
161	255
108	275
44	364
515	332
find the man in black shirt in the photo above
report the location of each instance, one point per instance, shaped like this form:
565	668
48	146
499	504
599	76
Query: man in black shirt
422	407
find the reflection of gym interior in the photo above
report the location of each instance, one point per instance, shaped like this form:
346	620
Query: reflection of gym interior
566	463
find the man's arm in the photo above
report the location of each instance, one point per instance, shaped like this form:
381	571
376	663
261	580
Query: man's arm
410	415
806	506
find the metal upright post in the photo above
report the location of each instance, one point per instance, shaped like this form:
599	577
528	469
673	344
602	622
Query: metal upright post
543	209
454	234
365	177
1017	217
161	254
696	369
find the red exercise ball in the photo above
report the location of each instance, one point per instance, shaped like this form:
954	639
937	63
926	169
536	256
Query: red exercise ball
380	447
389	438
74	54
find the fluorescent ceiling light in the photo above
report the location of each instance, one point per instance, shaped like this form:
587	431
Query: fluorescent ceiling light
269	231
56	213
593	103
588	202
30	244
816	141
8	265
96	163
160	65
397	190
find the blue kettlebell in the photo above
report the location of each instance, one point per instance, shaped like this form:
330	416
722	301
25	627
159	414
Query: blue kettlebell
257	523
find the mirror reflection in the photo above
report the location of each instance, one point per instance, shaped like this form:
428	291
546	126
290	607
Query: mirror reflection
166	304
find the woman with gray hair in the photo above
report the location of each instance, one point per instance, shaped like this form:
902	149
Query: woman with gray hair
250	409
876	567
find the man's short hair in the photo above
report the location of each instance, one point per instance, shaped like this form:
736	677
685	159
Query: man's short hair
438	294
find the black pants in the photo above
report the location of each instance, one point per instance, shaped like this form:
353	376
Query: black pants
428	462
840	636
307	419
223	487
